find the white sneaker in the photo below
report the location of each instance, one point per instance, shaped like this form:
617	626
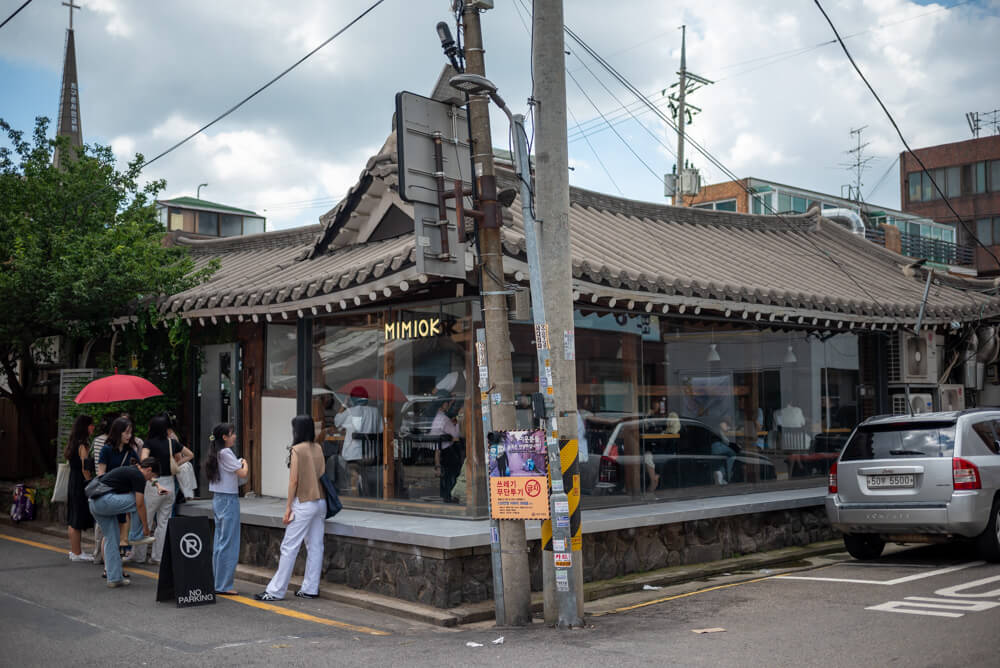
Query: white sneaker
83	556
145	540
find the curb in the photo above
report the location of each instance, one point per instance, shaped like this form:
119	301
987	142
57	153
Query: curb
484	610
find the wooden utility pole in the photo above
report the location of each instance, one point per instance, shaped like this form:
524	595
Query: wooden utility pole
513	541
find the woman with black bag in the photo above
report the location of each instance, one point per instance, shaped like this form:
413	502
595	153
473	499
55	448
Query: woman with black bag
305	514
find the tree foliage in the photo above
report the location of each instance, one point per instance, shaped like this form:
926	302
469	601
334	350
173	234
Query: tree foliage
79	245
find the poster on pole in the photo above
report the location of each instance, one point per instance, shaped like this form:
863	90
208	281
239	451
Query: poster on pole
518	484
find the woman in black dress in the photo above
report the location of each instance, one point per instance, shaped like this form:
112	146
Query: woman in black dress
81	469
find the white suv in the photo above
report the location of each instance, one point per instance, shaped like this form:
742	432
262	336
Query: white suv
924	478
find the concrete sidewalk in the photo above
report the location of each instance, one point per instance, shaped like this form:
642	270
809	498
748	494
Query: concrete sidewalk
600	596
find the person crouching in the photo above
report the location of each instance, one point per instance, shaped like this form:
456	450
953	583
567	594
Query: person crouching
127	485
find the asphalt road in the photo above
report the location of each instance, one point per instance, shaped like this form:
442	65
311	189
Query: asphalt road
924	606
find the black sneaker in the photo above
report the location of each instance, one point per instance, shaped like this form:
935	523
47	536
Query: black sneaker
302	594
264	596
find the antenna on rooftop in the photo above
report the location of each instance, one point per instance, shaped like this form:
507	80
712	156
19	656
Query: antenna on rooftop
858	165
975	120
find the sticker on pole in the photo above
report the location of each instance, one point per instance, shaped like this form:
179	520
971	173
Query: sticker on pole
563	559
562	507
494	535
558	545
518	470
569	345
562	579
542	336
562	521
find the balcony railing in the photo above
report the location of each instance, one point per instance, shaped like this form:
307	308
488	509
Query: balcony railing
934	250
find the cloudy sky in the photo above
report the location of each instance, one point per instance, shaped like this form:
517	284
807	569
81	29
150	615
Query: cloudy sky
782	107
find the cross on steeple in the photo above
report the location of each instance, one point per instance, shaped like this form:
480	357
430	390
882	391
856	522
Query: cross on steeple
71	8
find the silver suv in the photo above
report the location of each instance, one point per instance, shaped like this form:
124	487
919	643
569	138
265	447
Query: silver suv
925	478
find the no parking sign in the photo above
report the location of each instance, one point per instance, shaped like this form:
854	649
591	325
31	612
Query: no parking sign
186	569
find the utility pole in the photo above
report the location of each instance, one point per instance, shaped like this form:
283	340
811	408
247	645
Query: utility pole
563	583
681	92
513	541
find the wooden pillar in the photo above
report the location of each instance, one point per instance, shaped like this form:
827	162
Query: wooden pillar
630	374
388	436
251	336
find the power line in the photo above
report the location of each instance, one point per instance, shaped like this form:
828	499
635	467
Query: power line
618	116
882	178
16	12
597	156
901	137
265	86
715	161
241	102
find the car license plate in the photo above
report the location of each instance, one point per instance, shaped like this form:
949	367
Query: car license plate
882	481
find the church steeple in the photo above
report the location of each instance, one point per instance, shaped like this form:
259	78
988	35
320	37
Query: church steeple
69	96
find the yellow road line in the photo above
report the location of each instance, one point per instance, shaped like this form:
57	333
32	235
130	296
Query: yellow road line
236	599
303	615
34	544
677	596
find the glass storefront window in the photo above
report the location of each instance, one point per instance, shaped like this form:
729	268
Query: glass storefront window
392	391
280	344
252	225
670	409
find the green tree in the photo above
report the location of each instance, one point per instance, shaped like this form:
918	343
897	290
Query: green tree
79	245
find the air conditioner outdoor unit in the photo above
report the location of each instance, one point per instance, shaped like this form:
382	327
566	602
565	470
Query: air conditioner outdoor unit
951	398
920	402
913	358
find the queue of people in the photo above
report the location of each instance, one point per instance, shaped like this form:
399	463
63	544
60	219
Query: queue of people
136	488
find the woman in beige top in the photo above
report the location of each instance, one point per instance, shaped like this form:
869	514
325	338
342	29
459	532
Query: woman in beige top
305	514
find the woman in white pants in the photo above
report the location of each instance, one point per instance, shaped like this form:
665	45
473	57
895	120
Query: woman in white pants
305	514
158	444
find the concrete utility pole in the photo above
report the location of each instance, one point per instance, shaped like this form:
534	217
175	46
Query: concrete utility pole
681	90
552	210
513	541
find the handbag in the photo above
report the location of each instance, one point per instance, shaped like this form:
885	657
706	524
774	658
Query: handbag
186	479
60	491
96	488
174	468
333	504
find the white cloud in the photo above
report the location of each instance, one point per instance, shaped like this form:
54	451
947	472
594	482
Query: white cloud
782	107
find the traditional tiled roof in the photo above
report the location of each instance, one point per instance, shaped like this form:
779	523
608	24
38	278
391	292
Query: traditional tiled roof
260	274
642	256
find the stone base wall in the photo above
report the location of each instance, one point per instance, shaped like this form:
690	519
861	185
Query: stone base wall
447	578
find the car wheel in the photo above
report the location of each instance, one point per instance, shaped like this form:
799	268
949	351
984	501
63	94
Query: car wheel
864	546
989	540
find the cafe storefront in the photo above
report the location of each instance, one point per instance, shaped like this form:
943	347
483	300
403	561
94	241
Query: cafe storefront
721	363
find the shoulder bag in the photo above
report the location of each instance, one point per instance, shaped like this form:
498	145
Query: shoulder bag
333	504
170	456
96	488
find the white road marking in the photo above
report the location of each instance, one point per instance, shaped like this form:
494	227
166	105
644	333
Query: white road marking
936	607
895	581
954	591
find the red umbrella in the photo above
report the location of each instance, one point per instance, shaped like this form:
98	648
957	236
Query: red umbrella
374	389
116	387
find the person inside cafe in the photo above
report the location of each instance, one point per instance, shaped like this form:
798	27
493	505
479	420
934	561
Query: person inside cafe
362	425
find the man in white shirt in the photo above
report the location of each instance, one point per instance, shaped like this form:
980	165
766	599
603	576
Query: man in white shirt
360	422
448	456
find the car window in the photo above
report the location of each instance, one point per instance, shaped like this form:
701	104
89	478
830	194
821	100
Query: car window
985	431
924	439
